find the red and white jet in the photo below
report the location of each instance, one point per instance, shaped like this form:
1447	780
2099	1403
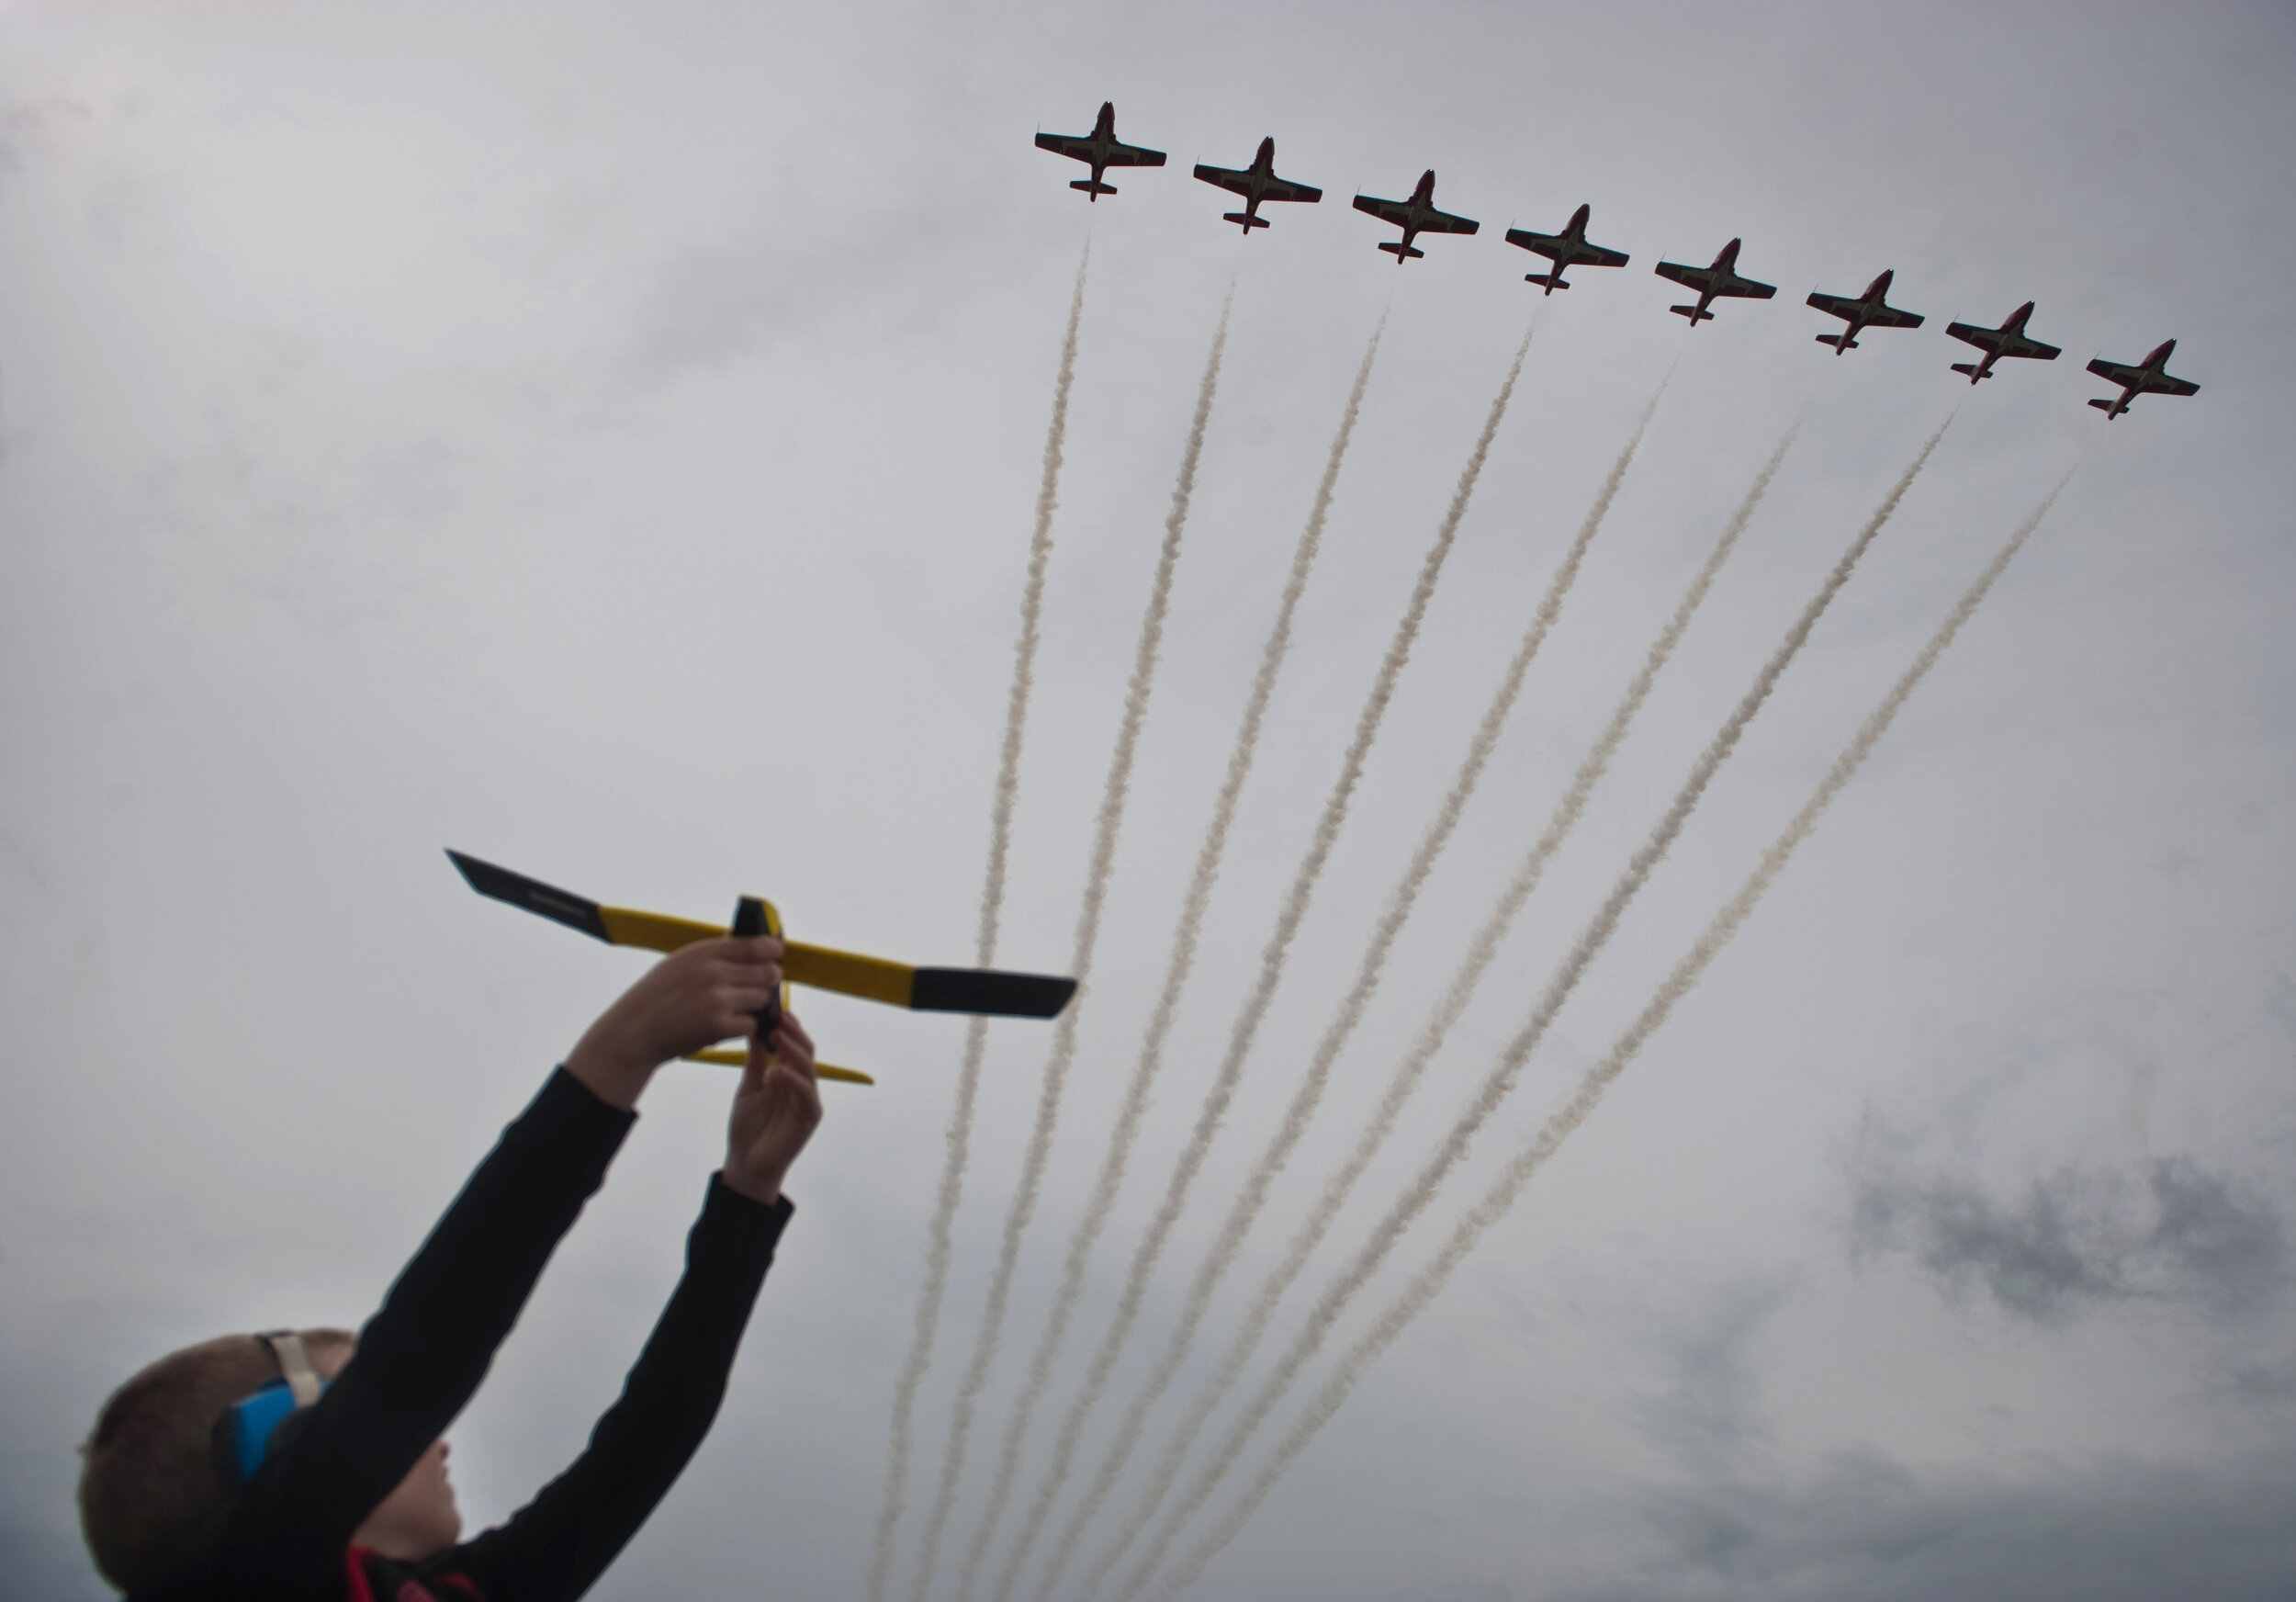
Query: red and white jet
1870	309
2009	340
1100	150
1565	249
1414	216
1720	279
2148	377
1256	183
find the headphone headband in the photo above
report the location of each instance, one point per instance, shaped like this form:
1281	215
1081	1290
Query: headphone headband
294	1365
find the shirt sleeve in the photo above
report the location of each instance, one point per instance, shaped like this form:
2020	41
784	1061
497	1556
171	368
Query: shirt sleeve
418	1361
554	1548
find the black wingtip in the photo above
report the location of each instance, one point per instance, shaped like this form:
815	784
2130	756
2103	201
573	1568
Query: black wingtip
531	896
981	990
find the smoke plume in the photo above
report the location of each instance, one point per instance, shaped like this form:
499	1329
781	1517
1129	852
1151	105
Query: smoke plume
1293	909
1508	1186
1421	1192
940	1235
1106	828
1454	1003
1094	1220
1355	999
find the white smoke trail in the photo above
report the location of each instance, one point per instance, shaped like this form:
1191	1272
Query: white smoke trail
1408	1074
958	1137
1293	909
1106	828
1504	1190
1180	964
1355	999
1495	1087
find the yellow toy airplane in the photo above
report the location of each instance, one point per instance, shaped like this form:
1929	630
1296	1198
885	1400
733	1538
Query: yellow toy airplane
981	990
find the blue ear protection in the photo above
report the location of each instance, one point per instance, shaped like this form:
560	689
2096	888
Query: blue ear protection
250	1426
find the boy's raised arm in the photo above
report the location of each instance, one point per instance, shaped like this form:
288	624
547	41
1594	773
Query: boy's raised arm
553	1549
424	1352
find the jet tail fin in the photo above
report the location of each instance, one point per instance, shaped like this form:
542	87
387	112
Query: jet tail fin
1970	370
1553	281
1841	341
2110	408
1089	187
1400	250
1245	218
1696	316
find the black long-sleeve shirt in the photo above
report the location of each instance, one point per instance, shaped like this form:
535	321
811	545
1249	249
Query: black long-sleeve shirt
286	1537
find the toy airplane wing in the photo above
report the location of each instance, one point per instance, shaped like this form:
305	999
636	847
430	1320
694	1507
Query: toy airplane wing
977	990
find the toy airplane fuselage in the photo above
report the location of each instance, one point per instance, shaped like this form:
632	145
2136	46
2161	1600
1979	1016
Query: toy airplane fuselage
974	990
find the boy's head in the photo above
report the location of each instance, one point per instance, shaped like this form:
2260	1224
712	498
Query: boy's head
149	1477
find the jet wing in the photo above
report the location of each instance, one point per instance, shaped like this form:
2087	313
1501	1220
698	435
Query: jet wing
1239	183
1553	245
1132	155
1712	281
2002	342
1849	309
1443	223
1393	211
1078	148
2142	379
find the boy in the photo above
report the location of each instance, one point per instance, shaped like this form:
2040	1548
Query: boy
193	1488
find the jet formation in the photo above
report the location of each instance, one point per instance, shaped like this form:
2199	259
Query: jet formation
1719	280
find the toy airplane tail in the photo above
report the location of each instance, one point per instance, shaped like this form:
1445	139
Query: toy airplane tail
1400	250
1092	186
1245	218
1693	313
1553	281
725	1058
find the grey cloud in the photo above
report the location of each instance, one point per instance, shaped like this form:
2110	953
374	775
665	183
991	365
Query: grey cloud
1711	1413
2225	1250
1869	1529
2079	1239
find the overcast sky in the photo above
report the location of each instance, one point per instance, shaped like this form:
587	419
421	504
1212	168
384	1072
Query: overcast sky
604	438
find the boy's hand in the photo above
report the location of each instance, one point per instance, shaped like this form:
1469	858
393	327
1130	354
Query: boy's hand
695	996
776	1109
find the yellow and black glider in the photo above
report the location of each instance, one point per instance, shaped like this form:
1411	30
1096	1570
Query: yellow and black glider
978	991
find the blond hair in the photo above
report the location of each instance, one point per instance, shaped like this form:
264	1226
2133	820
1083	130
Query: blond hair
148	1474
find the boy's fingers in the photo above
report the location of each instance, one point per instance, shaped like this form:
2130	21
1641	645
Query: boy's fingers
798	1037
766	947
760	1060
800	1060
